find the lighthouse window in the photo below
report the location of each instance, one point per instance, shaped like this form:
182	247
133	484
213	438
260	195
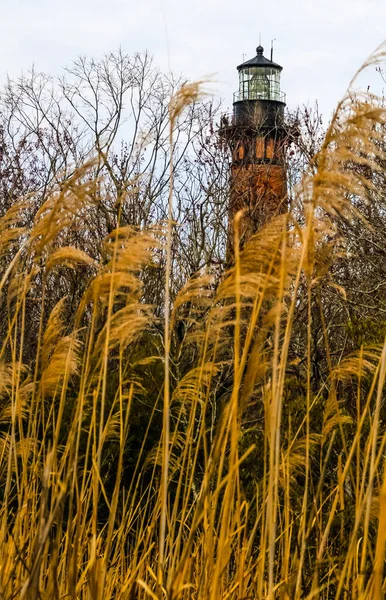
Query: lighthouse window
259	83
260	147
270	148
274	78
240	152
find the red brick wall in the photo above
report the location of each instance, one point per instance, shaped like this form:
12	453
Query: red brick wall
261	191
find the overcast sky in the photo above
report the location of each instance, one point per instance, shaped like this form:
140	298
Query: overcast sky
320	43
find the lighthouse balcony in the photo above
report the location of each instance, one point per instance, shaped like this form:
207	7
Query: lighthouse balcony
254	94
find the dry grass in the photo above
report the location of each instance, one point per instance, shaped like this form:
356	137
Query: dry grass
186	524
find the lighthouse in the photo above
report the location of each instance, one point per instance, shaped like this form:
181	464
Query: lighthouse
256	136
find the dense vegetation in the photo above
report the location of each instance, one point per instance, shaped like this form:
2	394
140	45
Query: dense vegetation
169	427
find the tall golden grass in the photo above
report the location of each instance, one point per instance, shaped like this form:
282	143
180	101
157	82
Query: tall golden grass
189	522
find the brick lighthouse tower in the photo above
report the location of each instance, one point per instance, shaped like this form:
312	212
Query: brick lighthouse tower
256	137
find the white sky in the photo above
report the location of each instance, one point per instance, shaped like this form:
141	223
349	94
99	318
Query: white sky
320	43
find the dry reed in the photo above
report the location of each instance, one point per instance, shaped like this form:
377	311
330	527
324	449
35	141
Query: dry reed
191	522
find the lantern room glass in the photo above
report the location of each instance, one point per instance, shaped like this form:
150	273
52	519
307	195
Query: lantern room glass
260	83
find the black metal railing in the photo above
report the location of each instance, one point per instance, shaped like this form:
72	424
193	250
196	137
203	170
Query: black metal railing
257	95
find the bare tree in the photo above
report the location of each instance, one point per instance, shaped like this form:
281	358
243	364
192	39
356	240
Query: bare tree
114	114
